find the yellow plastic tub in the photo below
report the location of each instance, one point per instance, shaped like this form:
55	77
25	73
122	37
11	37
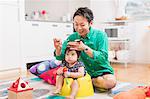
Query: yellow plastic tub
85	86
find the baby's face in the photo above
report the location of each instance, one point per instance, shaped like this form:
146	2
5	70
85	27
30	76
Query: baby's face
71	56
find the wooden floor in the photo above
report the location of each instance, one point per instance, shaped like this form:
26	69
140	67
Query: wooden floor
136	73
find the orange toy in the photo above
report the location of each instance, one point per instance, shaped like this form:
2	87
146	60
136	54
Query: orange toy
65	69
136	93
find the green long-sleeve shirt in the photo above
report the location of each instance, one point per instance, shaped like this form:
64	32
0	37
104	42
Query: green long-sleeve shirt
98	41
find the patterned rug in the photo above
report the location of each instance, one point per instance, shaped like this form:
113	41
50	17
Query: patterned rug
43	90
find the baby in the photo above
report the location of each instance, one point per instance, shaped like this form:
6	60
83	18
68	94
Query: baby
71	68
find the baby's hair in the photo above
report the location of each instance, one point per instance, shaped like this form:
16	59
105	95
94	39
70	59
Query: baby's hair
69	49
64	63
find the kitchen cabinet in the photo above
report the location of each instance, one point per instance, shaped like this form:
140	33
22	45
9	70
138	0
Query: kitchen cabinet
61	30
118	33
140	42
34	38
9	35
37	39
136	46
119	51
9	2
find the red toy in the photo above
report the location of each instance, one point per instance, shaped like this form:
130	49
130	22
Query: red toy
43	12
50	76
147	90
136	93
20	90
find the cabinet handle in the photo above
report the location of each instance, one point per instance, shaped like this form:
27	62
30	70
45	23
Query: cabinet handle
54	25
68	26
35	24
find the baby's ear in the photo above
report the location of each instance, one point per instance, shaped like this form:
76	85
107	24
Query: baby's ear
78	53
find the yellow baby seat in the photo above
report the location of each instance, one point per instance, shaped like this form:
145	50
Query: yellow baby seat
85	86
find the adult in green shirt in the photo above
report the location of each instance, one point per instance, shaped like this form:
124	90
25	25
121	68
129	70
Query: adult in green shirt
93	45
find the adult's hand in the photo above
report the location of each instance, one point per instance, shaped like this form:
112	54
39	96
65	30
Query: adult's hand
57	45
77	45
80	46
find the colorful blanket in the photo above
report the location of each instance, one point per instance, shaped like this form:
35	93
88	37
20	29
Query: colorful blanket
43	90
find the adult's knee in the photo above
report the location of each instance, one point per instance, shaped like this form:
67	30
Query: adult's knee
110	84
110	81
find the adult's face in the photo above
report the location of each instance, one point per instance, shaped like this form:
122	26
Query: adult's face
81	25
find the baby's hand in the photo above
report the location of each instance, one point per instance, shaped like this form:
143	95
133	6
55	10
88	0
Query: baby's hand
60	71
67	74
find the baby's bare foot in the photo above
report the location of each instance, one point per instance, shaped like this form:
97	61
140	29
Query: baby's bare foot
70	97
57	91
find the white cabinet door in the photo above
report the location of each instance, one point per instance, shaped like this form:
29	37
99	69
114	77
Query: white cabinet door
9	2
62	30
9	37
67	29
36	42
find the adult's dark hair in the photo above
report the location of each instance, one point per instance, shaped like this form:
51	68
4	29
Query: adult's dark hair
85	12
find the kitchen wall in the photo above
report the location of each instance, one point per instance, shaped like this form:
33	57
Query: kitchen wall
103	10
56	9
